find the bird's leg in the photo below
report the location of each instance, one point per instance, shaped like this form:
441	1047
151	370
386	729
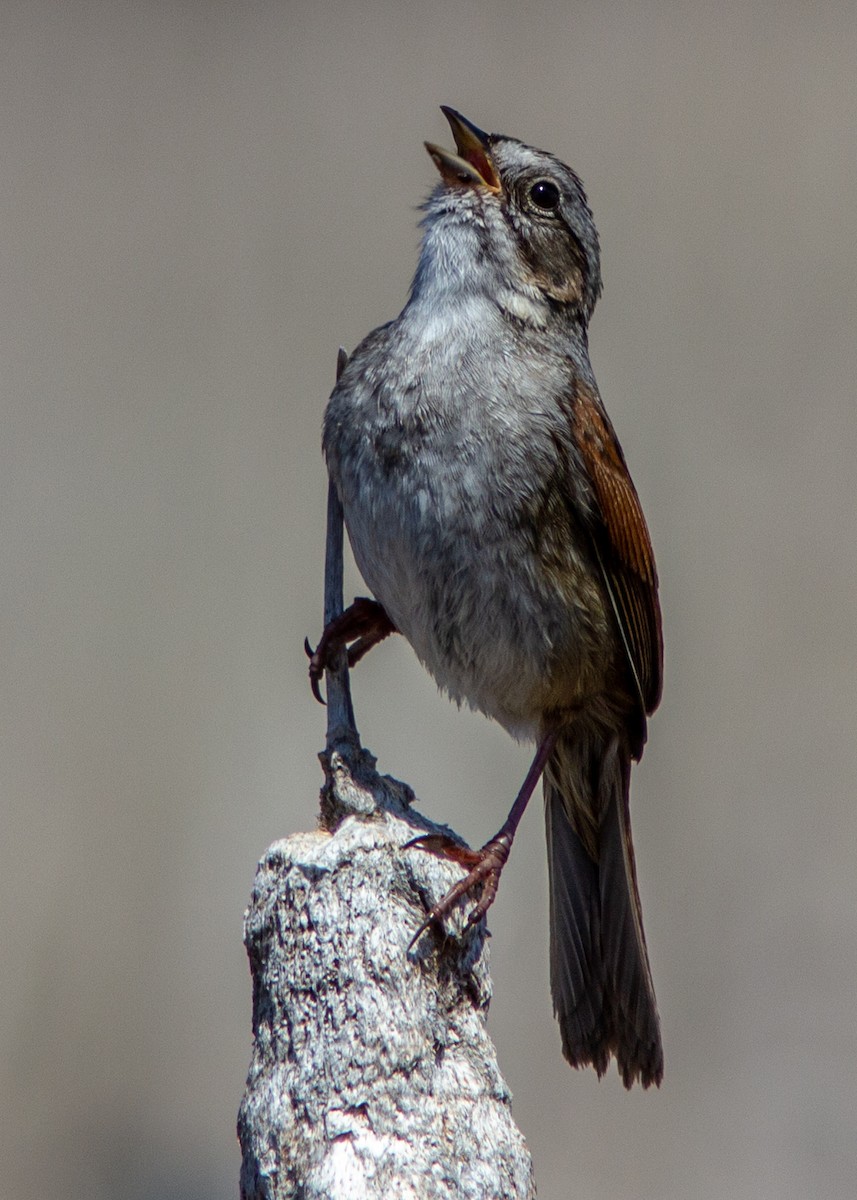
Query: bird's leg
485	864
364	623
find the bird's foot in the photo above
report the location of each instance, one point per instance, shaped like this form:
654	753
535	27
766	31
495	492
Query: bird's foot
485	866
364	623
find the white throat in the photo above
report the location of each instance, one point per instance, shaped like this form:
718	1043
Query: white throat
457	272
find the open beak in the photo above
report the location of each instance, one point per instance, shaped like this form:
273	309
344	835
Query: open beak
472	166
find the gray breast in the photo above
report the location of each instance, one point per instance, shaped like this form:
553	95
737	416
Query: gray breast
444	452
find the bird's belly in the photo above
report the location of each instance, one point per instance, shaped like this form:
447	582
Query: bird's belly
463	575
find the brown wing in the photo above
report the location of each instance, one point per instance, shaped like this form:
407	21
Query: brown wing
622	544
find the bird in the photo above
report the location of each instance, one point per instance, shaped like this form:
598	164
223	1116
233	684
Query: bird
492	515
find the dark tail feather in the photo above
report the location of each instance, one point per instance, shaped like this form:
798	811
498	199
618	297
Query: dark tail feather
601	983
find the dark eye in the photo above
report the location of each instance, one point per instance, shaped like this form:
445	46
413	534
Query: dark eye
544	194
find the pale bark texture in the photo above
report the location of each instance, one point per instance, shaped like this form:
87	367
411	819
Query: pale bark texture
373	1074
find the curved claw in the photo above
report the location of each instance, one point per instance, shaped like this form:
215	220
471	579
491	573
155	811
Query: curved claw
485	866
443	907
315	672
445	847
419	933
364	623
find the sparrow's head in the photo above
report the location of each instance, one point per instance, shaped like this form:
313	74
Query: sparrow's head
530	209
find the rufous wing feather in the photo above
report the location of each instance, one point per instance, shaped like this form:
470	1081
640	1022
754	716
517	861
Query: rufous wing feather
622	543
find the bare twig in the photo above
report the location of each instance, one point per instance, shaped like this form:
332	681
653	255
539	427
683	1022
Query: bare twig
341	726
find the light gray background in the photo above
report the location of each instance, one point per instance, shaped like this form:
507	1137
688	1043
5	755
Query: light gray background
198	203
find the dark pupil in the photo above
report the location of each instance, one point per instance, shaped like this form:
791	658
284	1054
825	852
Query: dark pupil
545	194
